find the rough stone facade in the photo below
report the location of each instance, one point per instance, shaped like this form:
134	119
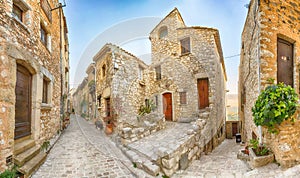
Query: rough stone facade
268	21
91	92
128	82
124	83
21	45
80	98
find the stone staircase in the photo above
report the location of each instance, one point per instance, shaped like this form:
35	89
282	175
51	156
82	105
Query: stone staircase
28	156
142	161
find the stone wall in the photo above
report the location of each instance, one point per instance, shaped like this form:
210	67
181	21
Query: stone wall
249	79
180	72
286	144
265	23
148	124
21	44
196	145
229	133
281	19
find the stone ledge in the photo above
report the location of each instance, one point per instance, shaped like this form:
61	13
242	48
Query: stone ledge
259	161
45	106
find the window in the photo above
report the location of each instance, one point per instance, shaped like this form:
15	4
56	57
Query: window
103	70
18	13
185	45
163	32
43	36
19	10
45	90
156	100
47	9
141	71
158	72
183	99
99	101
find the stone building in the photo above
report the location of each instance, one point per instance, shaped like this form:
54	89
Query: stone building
90	71
80	97
190	74
185	83
270	42
34	65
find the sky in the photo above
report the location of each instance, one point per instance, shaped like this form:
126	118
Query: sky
128	23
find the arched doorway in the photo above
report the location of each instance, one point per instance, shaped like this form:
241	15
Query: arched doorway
23	102
167	106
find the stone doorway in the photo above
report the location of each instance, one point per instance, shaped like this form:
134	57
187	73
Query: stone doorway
167	106
23	102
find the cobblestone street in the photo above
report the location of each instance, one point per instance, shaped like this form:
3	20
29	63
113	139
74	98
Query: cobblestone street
223	163
84	151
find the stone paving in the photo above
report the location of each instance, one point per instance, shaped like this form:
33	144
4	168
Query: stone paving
84	151
223	163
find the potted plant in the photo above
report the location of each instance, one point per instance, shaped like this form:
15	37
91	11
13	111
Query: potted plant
110	123
259	154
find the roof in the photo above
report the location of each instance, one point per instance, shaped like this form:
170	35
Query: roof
174	10
109	47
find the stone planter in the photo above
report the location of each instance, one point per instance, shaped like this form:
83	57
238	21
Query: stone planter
259	161
242	155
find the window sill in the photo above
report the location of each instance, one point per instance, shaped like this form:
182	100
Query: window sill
23	26
45	47
142	82
46	106
185	54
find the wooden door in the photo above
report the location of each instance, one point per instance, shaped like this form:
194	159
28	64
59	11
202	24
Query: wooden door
23	103
285	62
167	106
202	85
108	109
234	128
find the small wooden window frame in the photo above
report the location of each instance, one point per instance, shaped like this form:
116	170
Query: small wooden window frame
185	45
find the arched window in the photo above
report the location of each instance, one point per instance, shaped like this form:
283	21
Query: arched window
163	32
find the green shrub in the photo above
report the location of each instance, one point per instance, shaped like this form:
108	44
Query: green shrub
260	150
147	108
45	145
8	173
274	105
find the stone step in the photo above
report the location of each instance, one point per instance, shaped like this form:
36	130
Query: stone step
29	167
23	146
23	139
21	158
142	162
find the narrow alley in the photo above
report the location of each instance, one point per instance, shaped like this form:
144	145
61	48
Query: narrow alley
84	151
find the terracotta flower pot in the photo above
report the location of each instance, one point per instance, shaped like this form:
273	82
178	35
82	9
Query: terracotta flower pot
109	129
